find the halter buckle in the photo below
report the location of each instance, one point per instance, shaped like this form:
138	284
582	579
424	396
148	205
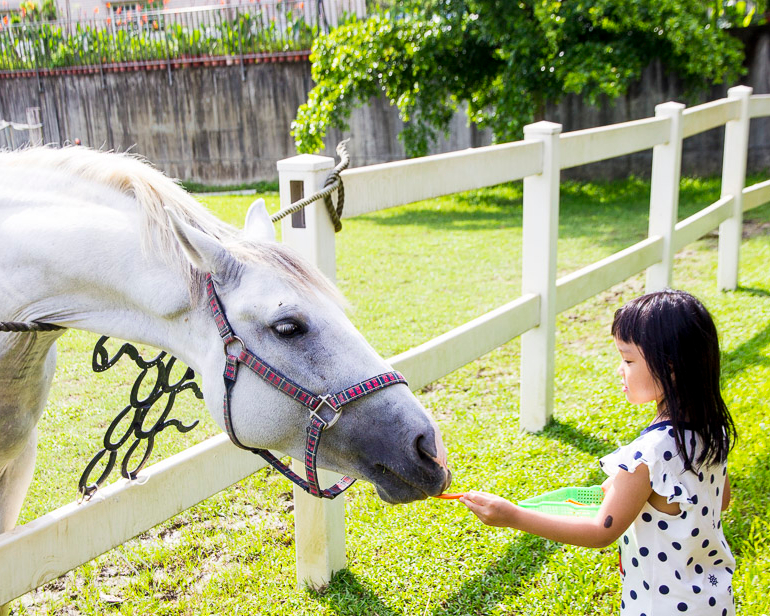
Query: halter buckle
337	412
234	340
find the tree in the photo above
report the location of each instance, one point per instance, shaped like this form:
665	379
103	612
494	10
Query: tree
505	59
737	13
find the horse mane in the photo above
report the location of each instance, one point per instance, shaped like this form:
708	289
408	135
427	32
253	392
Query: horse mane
132	175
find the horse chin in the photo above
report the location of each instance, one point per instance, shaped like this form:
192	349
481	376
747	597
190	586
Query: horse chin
396	490
400	495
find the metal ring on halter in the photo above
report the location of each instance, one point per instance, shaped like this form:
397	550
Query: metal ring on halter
235	339
337	412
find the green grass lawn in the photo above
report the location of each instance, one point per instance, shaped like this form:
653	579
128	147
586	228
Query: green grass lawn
438	263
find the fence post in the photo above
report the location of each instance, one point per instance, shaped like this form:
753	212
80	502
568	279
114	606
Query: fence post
540	233
664	195
733	183
319	524
35	126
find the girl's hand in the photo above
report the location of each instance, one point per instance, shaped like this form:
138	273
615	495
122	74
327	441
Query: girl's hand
490	509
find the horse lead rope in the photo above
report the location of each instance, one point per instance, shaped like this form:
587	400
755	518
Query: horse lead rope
310	400
32	326
333	182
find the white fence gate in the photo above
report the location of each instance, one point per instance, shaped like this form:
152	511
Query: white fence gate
59	541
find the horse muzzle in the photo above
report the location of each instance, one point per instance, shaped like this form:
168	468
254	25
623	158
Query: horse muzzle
421	471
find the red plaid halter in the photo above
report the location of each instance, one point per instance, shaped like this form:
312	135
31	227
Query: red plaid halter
312	401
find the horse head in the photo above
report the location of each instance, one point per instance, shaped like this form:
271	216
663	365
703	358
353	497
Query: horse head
284	311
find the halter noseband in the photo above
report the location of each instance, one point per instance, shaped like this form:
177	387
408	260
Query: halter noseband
312	401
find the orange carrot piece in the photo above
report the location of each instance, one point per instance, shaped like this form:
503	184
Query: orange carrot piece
449	495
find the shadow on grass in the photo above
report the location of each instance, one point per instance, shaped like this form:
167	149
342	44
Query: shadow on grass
614	227
747	354
570	435
750	487
522	558
613	212
753	291
520	561
613	215
751	482
469	220
347	596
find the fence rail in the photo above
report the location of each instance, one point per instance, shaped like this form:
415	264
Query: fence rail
597	277
14	135
591	145
709	115
539	159
377	187
756	195
434	359
76	533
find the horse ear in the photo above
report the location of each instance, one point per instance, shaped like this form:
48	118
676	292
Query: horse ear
204	252
258	224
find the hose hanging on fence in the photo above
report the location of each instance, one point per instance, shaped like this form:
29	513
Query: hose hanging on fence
333	182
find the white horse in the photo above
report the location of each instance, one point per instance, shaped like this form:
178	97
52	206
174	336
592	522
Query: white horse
103	242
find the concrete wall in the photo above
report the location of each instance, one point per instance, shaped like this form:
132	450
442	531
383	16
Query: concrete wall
209	125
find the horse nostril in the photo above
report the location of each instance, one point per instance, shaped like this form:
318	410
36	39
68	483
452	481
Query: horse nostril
427	451
426	448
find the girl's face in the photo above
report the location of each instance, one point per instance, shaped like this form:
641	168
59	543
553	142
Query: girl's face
639	385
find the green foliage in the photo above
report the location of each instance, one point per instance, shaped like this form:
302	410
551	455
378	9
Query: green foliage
504	59
149	36
34	11
737	14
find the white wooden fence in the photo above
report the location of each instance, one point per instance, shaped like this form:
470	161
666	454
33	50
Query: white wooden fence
59	541
31	132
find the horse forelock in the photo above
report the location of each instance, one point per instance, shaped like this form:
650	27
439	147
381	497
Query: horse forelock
153	191
295	270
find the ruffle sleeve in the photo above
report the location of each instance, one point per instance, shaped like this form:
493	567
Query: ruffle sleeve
657	450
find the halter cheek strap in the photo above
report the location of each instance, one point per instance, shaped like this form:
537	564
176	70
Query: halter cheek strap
312	401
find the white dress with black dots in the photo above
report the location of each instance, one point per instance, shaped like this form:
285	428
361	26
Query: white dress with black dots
680	563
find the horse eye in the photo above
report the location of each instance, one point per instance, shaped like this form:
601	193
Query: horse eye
288	329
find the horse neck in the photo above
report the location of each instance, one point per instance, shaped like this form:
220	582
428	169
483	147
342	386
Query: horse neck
82	266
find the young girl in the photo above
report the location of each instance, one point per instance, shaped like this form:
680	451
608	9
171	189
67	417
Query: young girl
666	489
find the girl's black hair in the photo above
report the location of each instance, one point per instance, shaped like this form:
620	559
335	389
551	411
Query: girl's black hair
678	340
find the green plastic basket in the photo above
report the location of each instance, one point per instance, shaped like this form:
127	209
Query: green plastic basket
556	501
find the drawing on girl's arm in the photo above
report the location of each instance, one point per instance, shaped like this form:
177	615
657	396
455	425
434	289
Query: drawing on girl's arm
608	521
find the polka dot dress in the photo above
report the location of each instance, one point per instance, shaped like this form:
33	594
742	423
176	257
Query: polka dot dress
680	563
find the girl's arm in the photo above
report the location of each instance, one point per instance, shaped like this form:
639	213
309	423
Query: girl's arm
607	483
623	501
726	493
